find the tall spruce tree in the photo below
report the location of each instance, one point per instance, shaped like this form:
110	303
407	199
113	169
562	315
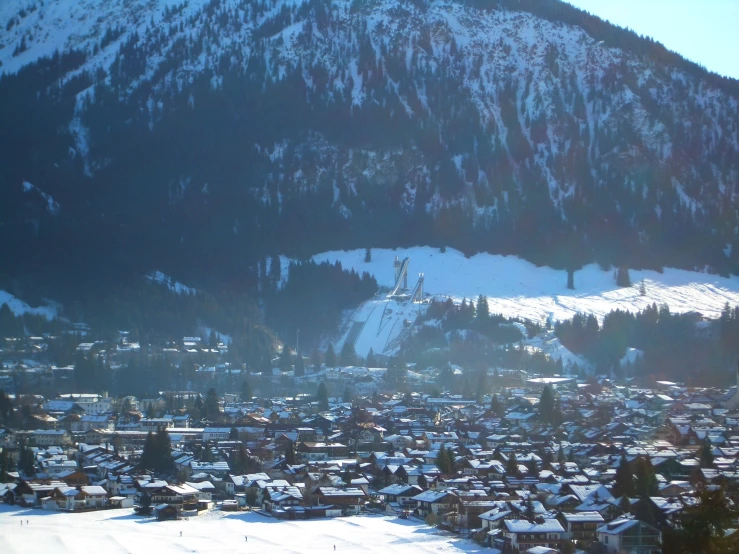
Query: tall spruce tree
511	467
246	392
483	309
330	356
546	406
211	407
701	528
299	366
371	361
646	480
348	355
322	397
624	482
706	454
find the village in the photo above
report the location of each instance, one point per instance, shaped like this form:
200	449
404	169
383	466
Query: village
541	465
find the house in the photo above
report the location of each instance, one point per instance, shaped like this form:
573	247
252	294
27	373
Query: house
581	525
350	499
217	469
120	502
470	509
400	497
314	451
92	496
61	498
522	534
434	441
87	422
629	536
165	512
434	502
54	437
179	496
280	497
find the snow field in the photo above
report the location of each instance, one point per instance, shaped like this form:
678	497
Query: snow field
19	307
517	288
114	531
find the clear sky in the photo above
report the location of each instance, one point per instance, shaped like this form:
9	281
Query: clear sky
704	31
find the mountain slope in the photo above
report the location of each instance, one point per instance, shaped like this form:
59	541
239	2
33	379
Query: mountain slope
232	126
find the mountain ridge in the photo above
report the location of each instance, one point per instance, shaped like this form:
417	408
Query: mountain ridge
385	123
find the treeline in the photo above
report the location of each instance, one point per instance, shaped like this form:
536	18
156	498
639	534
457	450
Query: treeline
613	35
676	346
12	325
468	335
310	303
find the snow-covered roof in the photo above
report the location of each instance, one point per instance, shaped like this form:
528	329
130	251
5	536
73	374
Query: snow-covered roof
526	526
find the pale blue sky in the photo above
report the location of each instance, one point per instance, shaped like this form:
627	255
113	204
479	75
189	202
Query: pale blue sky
704	31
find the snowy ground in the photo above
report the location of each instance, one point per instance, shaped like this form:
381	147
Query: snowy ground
116	531
380	323
517	288
19	307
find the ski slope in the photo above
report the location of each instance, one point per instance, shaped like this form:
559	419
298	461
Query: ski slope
115	531
517	288
19	307
381	323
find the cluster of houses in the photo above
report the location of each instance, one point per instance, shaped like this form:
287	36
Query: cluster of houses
491	470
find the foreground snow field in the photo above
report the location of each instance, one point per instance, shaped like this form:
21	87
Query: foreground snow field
517	288
114	531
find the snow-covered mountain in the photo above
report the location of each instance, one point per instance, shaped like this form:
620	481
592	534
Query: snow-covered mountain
525	127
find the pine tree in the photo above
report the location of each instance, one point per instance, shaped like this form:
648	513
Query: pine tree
348	355
625	504
371	361
330	356
246	392
286	359
571	279
322	397
290	452
299	366
445	460
451	456
511	468
233	434
706	454
212	409
642	288
644	511
622	277
164	462
483	309
529	512
7	465
701	528
646	481
482	386
347	394
146	460
368	255
546	406
624	482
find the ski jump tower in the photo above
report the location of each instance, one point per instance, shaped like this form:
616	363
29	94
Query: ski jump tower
401	268
401	282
